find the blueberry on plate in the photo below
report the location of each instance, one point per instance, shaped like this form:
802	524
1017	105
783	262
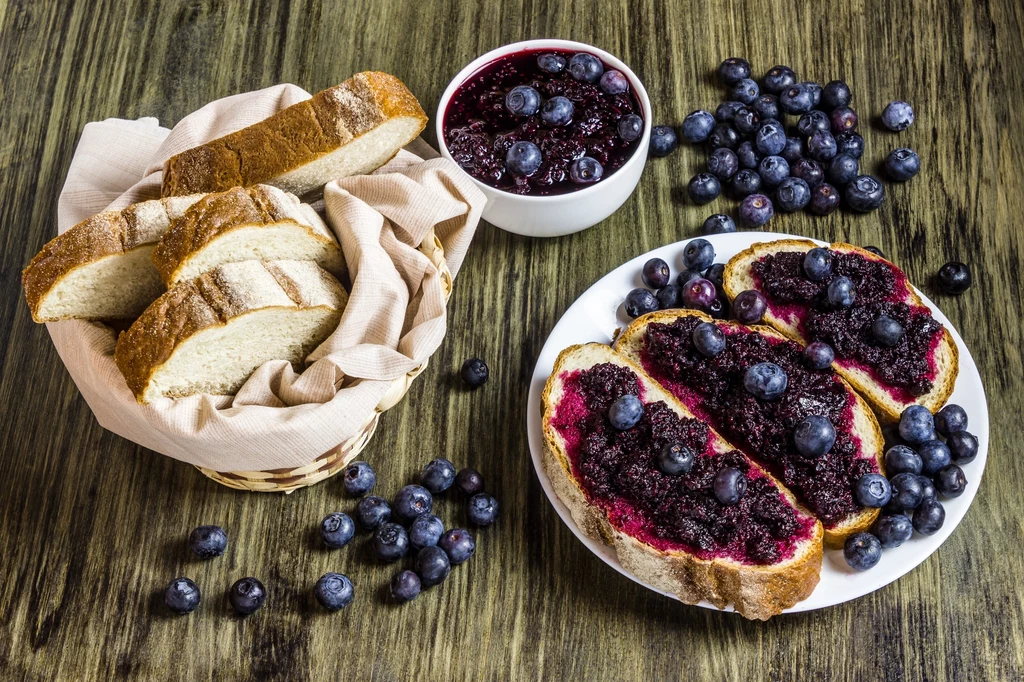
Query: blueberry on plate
862	551
745	183
613	82
723	135
358	478
483	509
746	121
886	331
873	491
934	456
708	339
412	501
812	121
770	138
818	355
950	481
821	146
675	459
523	158
390	542
796	100
809	171
928	489
723	163
669	296
718	308
247	595
337	530
663	141
773	170
836	94
778	79
725	111
842	169
424	531
697	126
817	264
733	70
929	517
756	210
950	419
851	144
655	273
765	380
749	307
522	100
892	530
766	106
954	278
901	459
438	475
907	491
841	292
963	446
729	486
842	120
640	301
207	542
182	596
916	424
405	586
897	115
458	544
793	151
703	187
469	481
585	67
432	565
630	127
372	511
814	436
824	199
698	255
699	294
902	164
745	91
792	194
625	411
585	170
474	372
558	111
551	63
718	223
334	591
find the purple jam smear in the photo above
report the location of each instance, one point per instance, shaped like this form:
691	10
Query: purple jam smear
906	370
478	130
618	471
713	388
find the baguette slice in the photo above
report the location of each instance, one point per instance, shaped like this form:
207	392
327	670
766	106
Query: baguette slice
756	591
250	223
864	427
208	335
100	269
350	129
887	403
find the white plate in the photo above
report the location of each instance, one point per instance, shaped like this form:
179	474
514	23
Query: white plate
598	313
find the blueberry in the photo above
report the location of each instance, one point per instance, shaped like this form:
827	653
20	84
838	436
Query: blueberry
792	194
337	529
585	67
873	491
483	508
725	111
770	138
426	530
824	199
811	122
699	294
432	565
950	419
745	91
934	456
474	372
412	501
794	150
862	551
733	70
954	278
405	586
703	187
719	223
875	250
697	126
613	82
625	411
950	481
902	164
897	115
698	254
745	183
630	127
901	459
756	210
809	171
773	169
639	302
916	424
207	542
749	307
817	264
842	169
796	99
469	481
886	331
723	163
814	89
778	79
821	146
675	459
585	170
836	94
907	491
850	144
723	135
669	296
522	100
523	158
765	380
818	355
708	339
655	273
814	436
766	106
438	475
372	511
663	141
718	308
551	63
730	485
842	120
929	517
390	542
963	446
247	595
841	292
892	530
458	544
334	591
928	489
182	596
558	112
715	274
358	478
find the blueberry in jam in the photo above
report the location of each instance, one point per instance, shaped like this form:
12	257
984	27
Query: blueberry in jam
522	100
814	436
585	171
818	355
675	459
576	118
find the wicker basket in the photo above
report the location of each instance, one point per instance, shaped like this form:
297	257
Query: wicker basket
335	459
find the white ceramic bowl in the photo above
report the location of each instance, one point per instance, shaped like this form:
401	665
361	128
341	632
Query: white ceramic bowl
555	215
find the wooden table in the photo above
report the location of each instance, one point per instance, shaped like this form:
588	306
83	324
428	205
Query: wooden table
92	526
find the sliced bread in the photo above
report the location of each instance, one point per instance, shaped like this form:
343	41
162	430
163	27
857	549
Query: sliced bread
208	335
100	269
350	129
888	401
245	223
575	460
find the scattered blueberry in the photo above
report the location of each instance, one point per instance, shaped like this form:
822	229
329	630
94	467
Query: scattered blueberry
698	254
851	144
699	293
655	273
916	424
733	70
207	542
765	380
483	509
950	419
907	491
625	411
842	169
247	595
901	459
334	591
873	491
745	91
778	79
824	199
703	187
843	120
474	372
358	479
886	331
746	121
412	501
438	475
426	530
902	164
551	63
818	355
405	586
337	529
929	517
640	301
934	456
723	135
811	122
523	158
723	163
862	551
697	126
814	89
585	67
963	446
770	138
432	566
708	339
756	210
725	111
821	146
182	596
773	170
390	542
954	278
522	100
630	127
841	292
730	485
585	170
897	116
796	100
793	151
458	544
469	481
749	306
817	264
669	296
613	82
745	183
718	223
372	511
836	94
558	112
766	106
809	171
663	141
675	459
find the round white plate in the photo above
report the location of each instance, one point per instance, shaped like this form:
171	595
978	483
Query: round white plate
598	313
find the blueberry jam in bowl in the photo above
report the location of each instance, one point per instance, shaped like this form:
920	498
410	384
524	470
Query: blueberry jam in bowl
554	132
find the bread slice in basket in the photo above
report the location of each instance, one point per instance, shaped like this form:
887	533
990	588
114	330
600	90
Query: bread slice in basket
671	532
100	269
350	129
662	344
888	386
208	335
245	223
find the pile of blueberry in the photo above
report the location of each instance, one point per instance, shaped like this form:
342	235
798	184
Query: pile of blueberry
921	469
815	164
698	286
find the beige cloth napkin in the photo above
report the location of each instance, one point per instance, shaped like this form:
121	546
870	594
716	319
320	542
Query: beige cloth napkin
394	321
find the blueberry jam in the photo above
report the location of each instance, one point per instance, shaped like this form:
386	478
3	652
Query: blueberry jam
619	472
907	368
479	129
713	388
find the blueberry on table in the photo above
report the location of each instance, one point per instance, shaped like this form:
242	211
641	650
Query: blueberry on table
886	331
697	126
929	517
557	112
809	171
746	120
703	188
247	595
698	254
749	307
639	302
432	565
916	424
851	144
708	339
469	481
792	194
745	91
842	169
669	296
842	120
522	100
438	475
745	183
358	478
778	78
747	155
907	490
796	99
585	67
814	89
963	446
862	551
812	122
412	501
663	141
902	164
773	170
897	115
390	542
821	146
675	459
892	530
723	163
585	170
613	82
875	250
770	138
725	111
873	491
207	542
794	150
935	455
950	419
474	372
483	508
458	544
902	459
766	106
950	481
334	591
424	531
824	199
954	278
624	412
719	223
630	127
372	511
814	436
551	63
765	380
841	292
523	158
817	264
182	596
756	210
337	530
729	486
835	94
405	586
723	135
733	70
818	355
864	194
699	294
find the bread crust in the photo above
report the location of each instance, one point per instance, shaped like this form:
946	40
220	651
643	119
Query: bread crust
294	136
737	278
756	592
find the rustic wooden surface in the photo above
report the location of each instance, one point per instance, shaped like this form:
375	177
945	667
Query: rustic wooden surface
92	527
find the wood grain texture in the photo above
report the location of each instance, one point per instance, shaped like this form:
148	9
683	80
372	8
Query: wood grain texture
92	527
